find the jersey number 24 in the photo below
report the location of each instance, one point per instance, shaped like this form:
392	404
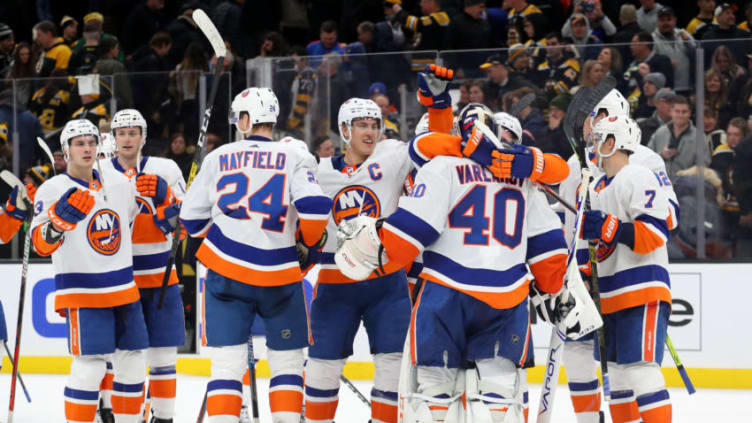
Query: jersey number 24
267	200
506	220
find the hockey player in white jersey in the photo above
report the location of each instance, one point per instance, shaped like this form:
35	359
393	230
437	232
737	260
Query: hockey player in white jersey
160	186
247	200
478	234
629	221
578	358
83	219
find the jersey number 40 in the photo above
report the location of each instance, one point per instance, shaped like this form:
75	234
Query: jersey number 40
267	200
506	222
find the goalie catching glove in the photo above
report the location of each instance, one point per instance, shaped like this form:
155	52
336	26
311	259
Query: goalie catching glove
359	249
552	308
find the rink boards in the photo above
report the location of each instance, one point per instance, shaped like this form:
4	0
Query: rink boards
709	327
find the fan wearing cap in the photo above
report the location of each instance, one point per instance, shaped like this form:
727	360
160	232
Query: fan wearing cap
470	30
551	139
587	43
94	21
704	18
645	98
56	52
725	30
663	101
69	29
676	44
88	235
501	79
7	46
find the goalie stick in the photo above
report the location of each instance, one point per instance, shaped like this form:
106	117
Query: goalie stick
13	181
218	45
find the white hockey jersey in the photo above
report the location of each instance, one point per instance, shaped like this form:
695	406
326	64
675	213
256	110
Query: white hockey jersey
372	188
631	277
248	198
151	247
478	233
93	262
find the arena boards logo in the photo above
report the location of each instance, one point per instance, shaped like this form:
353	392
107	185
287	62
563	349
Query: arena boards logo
354	200
104	232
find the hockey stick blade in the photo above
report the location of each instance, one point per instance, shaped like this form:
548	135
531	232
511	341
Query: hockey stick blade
521	104
9	178
210	31
43	145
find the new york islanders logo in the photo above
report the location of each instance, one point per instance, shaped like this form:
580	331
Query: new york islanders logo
143	206
354	200
104	232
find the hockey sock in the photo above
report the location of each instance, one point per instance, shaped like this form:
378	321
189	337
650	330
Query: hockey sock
162	381
128	385
655	407
586	400
82	388
225	389
385	384
322	389
286	385
623	407
105	388
584	386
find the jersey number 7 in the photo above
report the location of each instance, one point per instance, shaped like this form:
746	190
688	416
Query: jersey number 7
267	200
507	219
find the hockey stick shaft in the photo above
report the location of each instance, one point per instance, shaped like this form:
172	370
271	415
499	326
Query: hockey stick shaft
355	390
551	376
20	379
43	145
211	33
252	377
202	411
19	321
679	366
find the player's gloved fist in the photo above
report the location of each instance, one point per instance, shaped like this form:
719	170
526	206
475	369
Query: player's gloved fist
475	145
154	186
601	226
433	87
166	217
309	255
71	208
552	308
359	250
520	161
17	203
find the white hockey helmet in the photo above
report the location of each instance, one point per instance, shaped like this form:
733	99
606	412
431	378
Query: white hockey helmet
128	118
422	125
108	146
613	103
260	103
621	129
510	123
76	128
355	108
474	112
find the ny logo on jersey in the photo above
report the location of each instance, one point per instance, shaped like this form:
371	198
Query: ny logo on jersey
104	233
354	200
143	206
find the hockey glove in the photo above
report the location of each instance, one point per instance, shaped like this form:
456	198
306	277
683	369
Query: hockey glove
166	217
601	226
552	308
476	146
433	87
71	208
156	187
309	255
17	205
520	161
359	249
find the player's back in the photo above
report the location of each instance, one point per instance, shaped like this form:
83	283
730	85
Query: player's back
243	197
484	225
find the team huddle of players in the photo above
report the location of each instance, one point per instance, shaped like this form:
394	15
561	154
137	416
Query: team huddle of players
436	245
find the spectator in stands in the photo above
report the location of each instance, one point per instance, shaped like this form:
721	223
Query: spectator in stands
530	117
704	18
663	100
742	186
184	31
520	11
213	141
646	61
301	92
69	29
431	29
7	46
722	161
552	138
227	16
85	57
612	62
724	62
28	130
22	70
584	40
469	30
598	22
142	23
60	164
716	96
184	89
177	151
500	81
326	44
108	64
676	44
150	80
389	34
627	31
592	73
519	61
56	52
647	15
51	103
652	82
560	69
391	129
676	141
36	175
323	147
475	89
725	30
464	95
274	45
95	20
714	135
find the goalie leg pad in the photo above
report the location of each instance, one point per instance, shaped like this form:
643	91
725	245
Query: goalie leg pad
438	396
322	388
493	392
82	388
286	385
584	387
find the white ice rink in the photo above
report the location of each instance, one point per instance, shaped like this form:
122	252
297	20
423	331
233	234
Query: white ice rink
707	405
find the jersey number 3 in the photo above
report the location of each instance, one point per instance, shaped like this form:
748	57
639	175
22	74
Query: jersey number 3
268	200
507	219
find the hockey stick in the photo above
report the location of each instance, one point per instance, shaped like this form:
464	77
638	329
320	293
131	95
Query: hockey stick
13	181
202	411
355	390
679	366
43	145
252	377
20	379
218	45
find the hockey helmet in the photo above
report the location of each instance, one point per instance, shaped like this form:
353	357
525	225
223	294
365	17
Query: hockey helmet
355	108
614	104
422	125
128	118
474	112
510	123
261	105
621	129
76	128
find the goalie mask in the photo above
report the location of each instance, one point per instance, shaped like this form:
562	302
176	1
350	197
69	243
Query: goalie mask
77	128
357	108
474	112
129	118
261	105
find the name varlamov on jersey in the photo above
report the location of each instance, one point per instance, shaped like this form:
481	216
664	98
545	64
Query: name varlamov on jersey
469	173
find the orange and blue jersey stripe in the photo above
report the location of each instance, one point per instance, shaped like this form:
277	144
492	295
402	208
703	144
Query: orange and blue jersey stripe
633	287
148	270
95	290
80	405
224	397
